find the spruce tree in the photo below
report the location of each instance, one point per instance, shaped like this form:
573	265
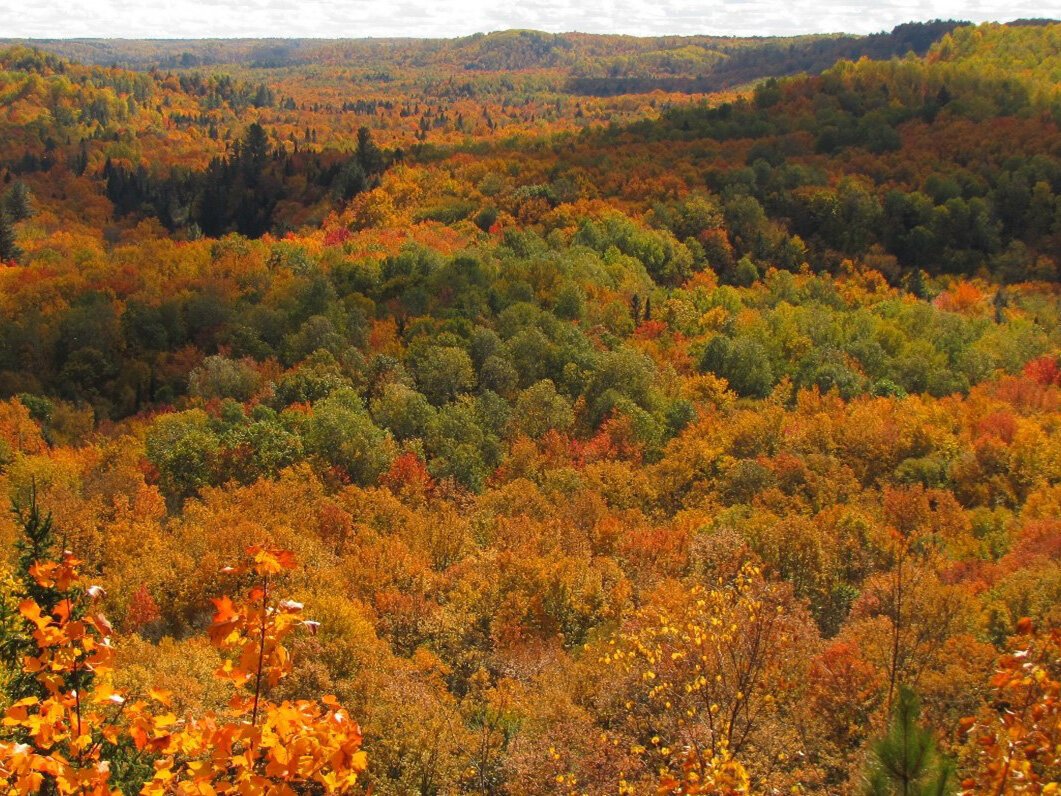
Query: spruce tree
916	283
369	156
635	309
9	250
1000	303
18	203
37	543
905	761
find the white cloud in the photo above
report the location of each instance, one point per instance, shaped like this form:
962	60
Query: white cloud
438	18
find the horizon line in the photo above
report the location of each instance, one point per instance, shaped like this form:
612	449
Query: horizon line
572	32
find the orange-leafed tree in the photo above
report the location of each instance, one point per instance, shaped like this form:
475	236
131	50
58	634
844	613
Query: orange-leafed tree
1015	741
61	723
68	731
719	775
258	746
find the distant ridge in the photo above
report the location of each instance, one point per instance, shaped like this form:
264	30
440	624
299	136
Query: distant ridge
589	64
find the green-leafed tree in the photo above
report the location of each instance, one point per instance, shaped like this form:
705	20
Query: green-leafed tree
905	761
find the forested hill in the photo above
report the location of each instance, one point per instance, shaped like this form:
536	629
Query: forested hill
650	443
867	157
947	163
914	168
588	63
748	61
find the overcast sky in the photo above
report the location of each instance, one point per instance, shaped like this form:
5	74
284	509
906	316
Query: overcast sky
434	18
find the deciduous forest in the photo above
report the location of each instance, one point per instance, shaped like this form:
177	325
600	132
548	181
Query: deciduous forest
531	414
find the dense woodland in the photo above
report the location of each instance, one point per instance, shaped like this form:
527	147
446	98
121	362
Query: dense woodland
512	415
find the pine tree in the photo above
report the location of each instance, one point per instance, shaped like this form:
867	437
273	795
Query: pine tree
9	250
635	309
36	545
369	155
254	153
1000	302
905	761
80	163
263	97
916	283
18	203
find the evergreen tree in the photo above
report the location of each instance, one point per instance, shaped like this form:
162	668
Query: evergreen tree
254	153
263	97
369	155
916	283
35	545
349	181
905	761
9	250
1000	303
18	203
635	309
81	161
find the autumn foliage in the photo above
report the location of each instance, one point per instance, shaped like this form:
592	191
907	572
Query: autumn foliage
1016	739
628	437
71	735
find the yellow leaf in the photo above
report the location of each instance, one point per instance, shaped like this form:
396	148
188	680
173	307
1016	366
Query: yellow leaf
161	696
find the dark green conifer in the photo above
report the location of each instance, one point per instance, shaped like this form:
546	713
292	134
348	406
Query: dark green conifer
905	761
9	250
18	203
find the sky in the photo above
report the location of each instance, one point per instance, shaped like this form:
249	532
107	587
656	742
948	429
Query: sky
442	18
